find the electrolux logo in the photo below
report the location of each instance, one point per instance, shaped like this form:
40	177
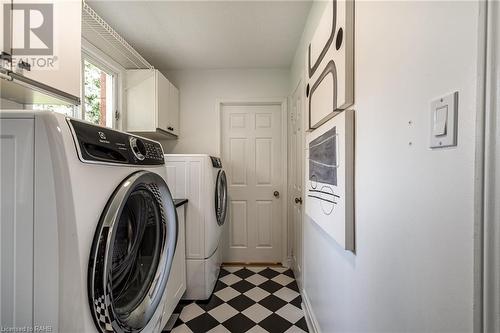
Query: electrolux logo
29	33
102	137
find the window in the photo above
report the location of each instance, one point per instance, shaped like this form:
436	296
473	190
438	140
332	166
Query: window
64	109
99	94
101	84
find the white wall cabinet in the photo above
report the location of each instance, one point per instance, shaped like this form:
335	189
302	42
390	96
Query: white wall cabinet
176	285
3	43
55	58
152	104
173	108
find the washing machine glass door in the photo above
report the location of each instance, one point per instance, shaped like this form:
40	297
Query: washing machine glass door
132	254
221	199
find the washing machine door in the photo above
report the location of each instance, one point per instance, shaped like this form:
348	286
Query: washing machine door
132	254
221	199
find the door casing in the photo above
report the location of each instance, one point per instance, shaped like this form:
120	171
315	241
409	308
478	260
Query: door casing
294	238
486	301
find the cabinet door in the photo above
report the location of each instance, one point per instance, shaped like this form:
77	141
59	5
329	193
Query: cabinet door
162	102
140	98
173	109
47	35
16	214
5	6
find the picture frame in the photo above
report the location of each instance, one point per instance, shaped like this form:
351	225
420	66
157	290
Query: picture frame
329	183
330	64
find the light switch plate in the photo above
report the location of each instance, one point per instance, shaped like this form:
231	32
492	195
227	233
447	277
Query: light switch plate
444	120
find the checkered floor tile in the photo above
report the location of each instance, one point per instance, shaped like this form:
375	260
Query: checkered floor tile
245	299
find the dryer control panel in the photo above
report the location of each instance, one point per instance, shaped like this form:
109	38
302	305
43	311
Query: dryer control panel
96	144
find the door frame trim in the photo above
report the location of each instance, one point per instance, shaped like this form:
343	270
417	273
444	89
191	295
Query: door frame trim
477	302
486	307
283	103
297	86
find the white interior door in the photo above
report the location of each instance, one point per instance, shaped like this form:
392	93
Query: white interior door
251	138
296	146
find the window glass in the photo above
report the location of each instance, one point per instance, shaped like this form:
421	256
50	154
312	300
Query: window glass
98	99
69	111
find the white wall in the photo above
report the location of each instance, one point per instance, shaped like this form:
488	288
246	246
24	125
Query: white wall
199	90
413	267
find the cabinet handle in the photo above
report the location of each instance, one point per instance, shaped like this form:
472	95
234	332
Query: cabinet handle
6	56
24	65
170	128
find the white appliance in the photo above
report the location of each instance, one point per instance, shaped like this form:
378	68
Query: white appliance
176	285
88	226
200	179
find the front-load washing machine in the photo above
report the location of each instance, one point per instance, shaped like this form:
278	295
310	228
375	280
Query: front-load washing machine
200	179
88	226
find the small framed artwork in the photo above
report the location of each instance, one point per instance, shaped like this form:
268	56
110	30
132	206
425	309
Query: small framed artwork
329	183
330	63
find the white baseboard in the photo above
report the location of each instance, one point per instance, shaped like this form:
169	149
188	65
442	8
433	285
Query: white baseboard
312	323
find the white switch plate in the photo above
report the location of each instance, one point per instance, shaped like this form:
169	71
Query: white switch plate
440	121
444	120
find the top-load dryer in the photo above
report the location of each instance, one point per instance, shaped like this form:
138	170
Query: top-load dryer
201	179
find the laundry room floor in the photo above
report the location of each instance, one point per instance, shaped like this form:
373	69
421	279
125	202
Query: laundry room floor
246	299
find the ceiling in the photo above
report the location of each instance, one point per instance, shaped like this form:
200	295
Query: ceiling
209	34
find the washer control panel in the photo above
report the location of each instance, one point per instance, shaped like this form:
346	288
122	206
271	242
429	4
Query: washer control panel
96	144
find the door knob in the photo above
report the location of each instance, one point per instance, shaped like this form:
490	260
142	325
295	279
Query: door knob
276	194
298	201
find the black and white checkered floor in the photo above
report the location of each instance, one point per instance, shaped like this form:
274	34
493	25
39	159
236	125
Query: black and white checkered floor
245	299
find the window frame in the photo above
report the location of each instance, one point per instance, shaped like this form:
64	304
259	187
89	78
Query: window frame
98	58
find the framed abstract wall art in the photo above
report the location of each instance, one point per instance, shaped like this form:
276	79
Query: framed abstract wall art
330	63
329	183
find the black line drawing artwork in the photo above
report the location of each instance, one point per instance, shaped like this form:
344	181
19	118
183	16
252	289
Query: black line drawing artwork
329	178
332	70
312	69
320	198
323	170
326	198
323	158
334	65
323	192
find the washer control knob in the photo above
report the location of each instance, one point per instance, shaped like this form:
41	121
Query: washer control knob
138	148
